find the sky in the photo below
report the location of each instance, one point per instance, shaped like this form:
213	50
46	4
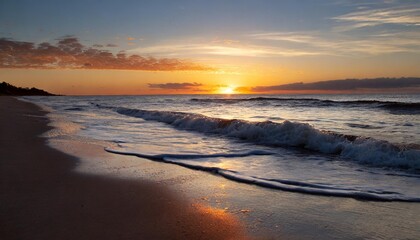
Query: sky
186	47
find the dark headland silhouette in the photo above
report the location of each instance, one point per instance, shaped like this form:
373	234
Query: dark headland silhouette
7	89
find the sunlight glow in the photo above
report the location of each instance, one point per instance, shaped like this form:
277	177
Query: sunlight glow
227	90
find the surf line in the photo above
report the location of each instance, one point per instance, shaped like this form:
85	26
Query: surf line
164	158
278	185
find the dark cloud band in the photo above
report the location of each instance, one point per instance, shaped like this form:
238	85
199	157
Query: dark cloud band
175	85
344	85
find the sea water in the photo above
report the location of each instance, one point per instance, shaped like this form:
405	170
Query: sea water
357	146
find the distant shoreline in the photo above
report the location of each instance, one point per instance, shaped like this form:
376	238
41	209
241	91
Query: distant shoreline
7	89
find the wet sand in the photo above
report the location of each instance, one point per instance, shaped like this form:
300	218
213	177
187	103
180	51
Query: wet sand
42	198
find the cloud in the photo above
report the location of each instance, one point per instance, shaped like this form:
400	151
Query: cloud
225	41
111	45
284	36
175	86
341	45
358	3
400	35
407	16
345	85
230	50
257	51
69	53
130	39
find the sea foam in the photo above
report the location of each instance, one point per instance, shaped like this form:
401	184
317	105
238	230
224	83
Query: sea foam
280	184
290	134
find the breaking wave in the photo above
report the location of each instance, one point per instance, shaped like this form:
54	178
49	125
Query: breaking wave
367	151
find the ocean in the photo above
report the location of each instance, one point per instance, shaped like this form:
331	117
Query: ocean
364	147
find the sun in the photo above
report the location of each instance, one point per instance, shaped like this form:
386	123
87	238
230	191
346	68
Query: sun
227	90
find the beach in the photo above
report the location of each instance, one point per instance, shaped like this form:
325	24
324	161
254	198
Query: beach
43	198
211	120
58	182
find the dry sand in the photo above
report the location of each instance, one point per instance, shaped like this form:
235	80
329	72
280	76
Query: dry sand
42	198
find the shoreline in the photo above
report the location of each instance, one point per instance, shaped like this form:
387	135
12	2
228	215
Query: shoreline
43	198
258	212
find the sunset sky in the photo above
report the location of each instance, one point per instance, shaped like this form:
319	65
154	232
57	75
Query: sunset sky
248	46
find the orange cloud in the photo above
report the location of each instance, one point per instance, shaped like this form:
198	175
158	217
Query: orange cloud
71	54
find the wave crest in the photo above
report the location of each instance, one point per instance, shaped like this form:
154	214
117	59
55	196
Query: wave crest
392	107
292	134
